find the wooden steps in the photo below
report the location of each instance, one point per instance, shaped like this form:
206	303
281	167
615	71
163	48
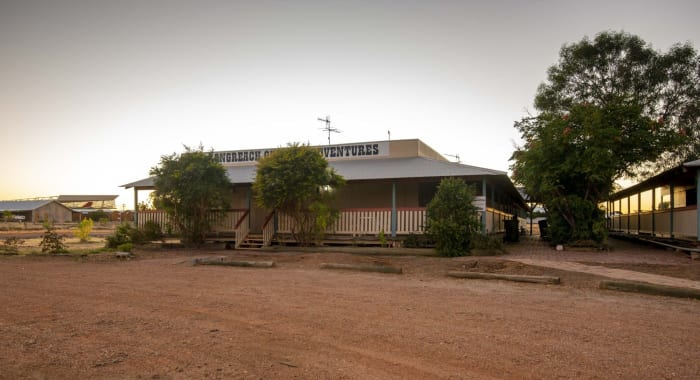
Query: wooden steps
252	241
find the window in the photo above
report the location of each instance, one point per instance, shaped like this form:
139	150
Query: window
624	206
647	201
679	199
663	198
634	204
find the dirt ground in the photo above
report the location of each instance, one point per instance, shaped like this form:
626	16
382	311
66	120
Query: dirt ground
159	316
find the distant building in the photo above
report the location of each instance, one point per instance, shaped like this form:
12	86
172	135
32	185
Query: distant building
37	211
388	186
79	205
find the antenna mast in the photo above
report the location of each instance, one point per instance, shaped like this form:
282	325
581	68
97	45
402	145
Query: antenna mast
328	128
455	156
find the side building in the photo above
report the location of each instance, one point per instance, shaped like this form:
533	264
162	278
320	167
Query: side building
388	186
664	206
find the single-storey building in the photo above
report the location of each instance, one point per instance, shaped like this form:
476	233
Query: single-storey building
665	205
388	186
37	210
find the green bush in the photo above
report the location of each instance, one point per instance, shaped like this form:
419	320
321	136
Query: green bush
125	233
487	242
152	231
99	215
52	242
417	241
452	217
126	247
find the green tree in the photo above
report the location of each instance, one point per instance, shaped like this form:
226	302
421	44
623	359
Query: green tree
189	186
297	181
611	108
620	71
452	217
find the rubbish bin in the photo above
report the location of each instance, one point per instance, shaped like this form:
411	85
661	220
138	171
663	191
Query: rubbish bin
512	230
544	232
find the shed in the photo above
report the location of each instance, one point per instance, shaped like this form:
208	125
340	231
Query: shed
37	210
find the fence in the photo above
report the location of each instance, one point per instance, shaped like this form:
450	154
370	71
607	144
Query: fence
368	221
220	222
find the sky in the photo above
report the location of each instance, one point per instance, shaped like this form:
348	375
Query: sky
93	93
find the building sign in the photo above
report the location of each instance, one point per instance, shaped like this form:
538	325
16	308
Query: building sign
330	152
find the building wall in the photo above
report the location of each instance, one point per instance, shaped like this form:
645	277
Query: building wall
54	212
239	197
376	195
412	148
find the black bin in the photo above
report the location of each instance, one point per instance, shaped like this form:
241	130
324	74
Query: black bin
512	230
544	232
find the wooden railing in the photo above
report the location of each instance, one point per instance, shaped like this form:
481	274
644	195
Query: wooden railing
368	221
268	230
241	228
220	222
160	217
227	221
362	222
410	220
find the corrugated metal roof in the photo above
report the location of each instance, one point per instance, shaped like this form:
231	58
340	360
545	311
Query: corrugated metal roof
85	198
358	170
16	206
412	167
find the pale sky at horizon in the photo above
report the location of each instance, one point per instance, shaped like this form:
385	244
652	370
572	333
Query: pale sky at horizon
92	93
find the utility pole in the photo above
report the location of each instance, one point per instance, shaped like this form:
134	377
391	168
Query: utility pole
328	128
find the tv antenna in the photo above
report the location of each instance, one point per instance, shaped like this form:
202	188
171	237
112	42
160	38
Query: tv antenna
456	156
328	128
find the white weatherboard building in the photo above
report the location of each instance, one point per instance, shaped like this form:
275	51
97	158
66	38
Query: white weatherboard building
388	185
665	205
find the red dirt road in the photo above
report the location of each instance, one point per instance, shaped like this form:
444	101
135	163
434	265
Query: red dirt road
160	317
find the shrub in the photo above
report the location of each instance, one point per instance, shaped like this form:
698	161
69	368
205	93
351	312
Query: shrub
84	229
125	233
452	217
417	241
52	242
11	246
486	243
382	238
126	247
152	231
99	215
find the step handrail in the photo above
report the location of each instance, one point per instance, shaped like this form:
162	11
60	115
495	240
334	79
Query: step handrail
268	230
241	229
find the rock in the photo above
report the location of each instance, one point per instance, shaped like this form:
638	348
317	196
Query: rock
123	255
